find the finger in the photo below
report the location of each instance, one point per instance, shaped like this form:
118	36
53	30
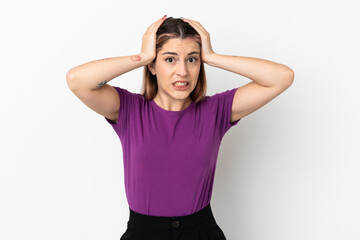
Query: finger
196	25
198	30
153	28
157	23
189	20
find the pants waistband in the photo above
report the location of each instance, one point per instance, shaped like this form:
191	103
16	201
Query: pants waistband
180	222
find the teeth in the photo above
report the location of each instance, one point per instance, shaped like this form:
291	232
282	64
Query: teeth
180	84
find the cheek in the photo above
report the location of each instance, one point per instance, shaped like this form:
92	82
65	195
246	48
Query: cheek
164	74
195	71
164	70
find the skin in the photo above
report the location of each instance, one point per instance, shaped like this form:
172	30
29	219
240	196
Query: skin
135	58
101	84
269	79
178	59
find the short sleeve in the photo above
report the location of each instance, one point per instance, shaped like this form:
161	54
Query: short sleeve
225	101
126	99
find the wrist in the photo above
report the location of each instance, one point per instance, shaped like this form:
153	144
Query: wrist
145	58
210	58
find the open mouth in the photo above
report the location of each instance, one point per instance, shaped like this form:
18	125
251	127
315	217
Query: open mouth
180	84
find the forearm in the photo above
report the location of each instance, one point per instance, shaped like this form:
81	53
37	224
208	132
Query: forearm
261	71
94	74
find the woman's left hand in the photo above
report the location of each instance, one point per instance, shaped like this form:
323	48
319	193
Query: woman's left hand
206	49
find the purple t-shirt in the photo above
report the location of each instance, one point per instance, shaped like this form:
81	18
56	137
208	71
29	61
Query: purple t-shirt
170	157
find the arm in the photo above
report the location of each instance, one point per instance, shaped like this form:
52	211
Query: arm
263	72
95	74
269	79
89	80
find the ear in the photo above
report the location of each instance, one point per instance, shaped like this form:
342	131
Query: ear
151	67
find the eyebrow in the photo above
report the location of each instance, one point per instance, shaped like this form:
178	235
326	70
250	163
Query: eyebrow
173	53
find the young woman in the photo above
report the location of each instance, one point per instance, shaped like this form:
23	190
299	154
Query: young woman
171	133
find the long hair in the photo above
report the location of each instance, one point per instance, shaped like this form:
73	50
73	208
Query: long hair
169	29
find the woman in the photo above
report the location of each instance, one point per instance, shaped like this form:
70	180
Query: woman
171	133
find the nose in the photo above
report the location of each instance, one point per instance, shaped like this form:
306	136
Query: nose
182	69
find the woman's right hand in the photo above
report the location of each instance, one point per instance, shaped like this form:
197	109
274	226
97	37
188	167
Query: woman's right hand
148	48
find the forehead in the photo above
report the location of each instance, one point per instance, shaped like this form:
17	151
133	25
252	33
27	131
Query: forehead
180	45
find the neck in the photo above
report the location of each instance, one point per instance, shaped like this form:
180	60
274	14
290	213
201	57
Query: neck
172	105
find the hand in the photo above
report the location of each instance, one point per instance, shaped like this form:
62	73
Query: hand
148	48
206	49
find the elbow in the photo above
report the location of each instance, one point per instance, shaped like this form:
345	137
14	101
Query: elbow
289	76
70	80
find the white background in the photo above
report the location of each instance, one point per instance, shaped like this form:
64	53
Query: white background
288	171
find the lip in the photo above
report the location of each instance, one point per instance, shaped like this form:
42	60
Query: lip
181	82
181	88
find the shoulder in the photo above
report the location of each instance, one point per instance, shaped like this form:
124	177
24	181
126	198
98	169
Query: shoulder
221	97
127	94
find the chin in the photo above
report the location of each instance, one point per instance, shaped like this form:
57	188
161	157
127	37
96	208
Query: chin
182	95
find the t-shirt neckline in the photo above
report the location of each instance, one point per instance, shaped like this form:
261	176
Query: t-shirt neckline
157	107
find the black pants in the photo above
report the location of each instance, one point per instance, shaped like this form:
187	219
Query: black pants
200	225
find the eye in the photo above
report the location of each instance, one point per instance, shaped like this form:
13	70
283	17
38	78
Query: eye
193	59
172	60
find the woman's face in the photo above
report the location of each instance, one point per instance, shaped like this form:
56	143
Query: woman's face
177	60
